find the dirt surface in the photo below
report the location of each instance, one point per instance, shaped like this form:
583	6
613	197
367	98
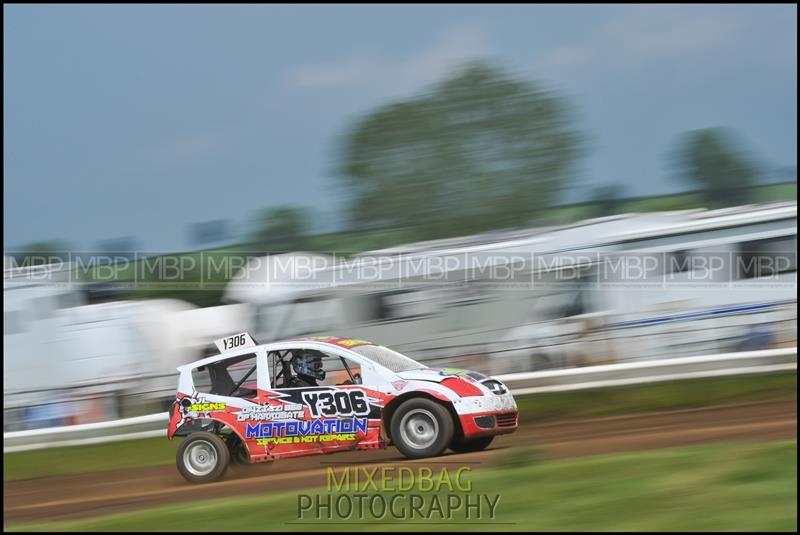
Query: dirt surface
122	490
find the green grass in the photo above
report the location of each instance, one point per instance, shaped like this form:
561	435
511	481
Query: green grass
655	397
544	407
91	458
735	487
775	192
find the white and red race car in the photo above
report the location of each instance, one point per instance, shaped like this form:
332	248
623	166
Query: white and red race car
255	403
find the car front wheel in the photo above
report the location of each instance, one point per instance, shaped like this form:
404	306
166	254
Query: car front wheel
203	457
421	428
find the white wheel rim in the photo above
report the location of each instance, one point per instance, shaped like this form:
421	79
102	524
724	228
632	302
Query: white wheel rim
419	428
200	458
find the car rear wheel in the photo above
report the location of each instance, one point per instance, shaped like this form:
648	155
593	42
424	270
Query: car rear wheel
464	445
203	457
421	428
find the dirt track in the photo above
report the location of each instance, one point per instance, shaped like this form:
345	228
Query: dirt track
108	492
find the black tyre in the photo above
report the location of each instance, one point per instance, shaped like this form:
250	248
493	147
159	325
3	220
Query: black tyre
237	450
421	427
463	445
203	457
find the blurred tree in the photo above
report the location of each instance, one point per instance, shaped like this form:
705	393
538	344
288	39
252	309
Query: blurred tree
713	160
41	253
283	229
481	150
607	200
209	232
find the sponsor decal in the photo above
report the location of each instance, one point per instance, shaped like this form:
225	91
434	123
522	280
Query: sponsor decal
305	428
350	342
190	408
309	439
287	411
207	407
342	342
452	371
462	373
399	385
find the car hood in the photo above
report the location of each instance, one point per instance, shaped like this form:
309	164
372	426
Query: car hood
440	374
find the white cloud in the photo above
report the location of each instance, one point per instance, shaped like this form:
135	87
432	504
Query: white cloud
452	49
643	35
333	74
652	32
199	145
568	56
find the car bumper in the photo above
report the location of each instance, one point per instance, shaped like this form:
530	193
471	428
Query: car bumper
487	415
489	423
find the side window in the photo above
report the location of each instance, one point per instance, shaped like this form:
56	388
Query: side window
681	261
395	305
12	322
340	371
43	307
201	379
243	374
767	258
68	300
234	377
557	305
312	315
299	368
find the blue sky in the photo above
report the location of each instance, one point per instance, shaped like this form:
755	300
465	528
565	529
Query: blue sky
140	120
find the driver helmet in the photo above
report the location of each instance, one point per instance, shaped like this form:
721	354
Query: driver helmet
310	364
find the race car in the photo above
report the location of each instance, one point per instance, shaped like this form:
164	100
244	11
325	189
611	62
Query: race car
256	403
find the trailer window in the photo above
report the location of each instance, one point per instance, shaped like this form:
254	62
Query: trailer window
768	257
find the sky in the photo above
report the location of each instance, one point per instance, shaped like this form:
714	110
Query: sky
141	120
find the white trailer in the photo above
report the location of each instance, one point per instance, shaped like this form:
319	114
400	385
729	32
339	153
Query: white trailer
620	288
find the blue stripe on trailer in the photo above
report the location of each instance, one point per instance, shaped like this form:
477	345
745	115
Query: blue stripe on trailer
717	312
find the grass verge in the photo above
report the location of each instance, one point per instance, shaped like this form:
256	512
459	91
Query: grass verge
739	487
655	397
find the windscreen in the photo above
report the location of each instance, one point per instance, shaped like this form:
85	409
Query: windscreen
387	358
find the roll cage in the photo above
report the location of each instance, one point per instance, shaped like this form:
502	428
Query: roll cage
282	367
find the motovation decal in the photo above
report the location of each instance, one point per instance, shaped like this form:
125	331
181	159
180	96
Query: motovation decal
305	428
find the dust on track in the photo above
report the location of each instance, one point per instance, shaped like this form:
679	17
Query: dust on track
100	493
